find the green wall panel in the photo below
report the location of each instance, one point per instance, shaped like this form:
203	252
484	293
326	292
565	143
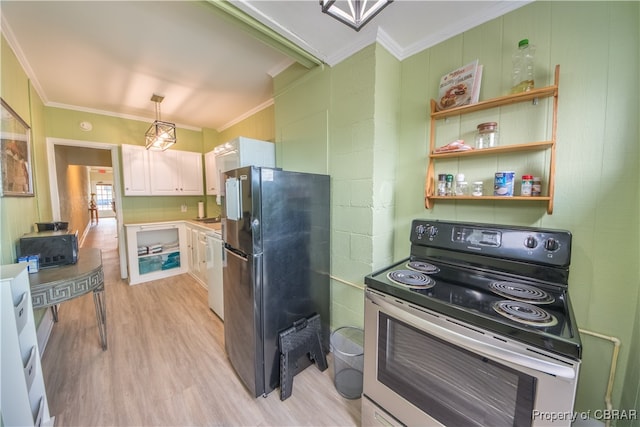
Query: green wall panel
597	186
597	189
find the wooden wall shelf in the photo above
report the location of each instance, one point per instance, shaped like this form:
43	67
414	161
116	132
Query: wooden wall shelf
533	95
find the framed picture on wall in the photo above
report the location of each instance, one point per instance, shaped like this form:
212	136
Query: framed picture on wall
15	154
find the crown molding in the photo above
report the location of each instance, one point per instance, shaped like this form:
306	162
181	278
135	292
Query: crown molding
112	114
22	59
249	113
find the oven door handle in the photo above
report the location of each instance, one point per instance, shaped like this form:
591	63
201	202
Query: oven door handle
509	355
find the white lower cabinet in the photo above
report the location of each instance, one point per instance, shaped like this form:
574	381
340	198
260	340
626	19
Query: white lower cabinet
156	250
215	259
201	272
197	252
196	242
192	254
23	396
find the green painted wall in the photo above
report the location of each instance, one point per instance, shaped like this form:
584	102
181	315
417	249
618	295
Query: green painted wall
342	121
63	123
374	144
597	186
260	126
18	215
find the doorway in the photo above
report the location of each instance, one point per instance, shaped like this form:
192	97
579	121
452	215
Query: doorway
82	154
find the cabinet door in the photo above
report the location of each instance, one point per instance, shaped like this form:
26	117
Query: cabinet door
212	174
202	257
164	173
189	167
135	170
214	276
194	261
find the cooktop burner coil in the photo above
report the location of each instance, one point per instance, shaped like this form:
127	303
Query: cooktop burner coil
423	267
521	292
411	279
524	313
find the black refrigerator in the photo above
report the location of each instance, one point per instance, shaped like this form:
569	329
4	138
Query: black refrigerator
275	225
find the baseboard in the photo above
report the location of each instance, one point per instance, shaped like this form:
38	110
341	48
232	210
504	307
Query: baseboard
84	235
44	330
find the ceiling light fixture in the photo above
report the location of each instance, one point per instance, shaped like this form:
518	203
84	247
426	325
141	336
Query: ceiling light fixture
161	135
354	13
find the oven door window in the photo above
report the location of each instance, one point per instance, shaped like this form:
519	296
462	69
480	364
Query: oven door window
449	383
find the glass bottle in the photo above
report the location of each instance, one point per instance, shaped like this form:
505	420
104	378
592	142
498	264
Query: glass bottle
536	186
449	185
526	185
442	184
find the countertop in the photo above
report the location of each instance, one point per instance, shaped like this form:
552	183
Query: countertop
215	226
212	226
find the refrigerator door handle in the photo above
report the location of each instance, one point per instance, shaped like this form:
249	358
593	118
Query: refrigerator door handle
236	253
233	191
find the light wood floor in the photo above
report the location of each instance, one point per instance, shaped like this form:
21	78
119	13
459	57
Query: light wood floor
165	364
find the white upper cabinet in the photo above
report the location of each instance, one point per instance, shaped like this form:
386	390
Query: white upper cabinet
135	170
190	167
212	174
240	152
161	173
175	173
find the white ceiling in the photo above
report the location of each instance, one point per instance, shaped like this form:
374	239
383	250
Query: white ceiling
109	57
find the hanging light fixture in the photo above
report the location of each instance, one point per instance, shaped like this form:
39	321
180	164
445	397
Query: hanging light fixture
354	13
161	135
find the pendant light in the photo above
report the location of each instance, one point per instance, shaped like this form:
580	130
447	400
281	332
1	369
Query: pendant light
160	135
354	13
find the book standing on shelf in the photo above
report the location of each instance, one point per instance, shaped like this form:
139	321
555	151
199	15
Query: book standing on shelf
460	86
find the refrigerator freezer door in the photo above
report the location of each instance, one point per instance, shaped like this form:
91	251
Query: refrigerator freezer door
242	325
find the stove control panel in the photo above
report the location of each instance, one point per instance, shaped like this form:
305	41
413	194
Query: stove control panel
528	244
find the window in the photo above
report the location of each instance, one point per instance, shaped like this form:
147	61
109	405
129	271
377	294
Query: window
104	196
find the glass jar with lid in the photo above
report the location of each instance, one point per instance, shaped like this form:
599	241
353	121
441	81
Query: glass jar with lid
462	187
477	189
487	135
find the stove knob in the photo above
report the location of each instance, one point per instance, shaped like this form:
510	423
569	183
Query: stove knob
530	242
420	229
432	231
551	244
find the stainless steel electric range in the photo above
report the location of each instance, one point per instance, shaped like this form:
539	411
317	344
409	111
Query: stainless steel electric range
474	328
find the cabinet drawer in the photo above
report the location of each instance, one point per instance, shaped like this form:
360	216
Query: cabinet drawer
30	367
21	312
